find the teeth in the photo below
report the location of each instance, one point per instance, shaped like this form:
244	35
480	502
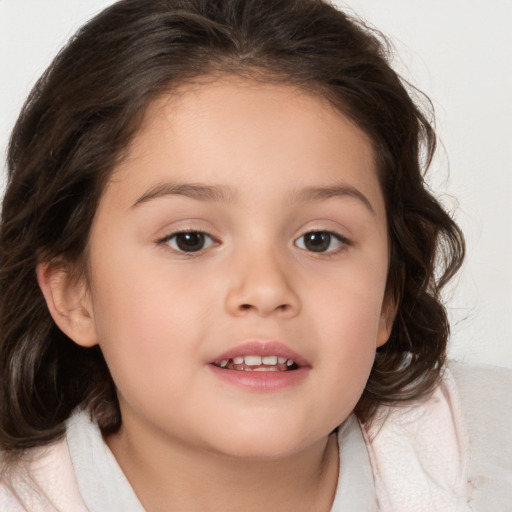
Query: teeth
257	361
252	360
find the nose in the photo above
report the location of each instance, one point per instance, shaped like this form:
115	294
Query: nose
262	285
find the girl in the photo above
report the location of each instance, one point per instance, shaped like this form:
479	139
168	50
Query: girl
221	273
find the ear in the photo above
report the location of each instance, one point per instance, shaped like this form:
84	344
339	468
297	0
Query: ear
387	318
69	303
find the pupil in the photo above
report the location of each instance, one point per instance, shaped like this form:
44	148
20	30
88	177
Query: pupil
190	242
318	241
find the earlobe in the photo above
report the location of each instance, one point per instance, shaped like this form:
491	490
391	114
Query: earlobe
387	318
68	302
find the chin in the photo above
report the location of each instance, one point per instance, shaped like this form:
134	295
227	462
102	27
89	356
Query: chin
259	443
262	452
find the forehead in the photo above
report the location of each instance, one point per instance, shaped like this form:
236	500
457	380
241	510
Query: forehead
250	135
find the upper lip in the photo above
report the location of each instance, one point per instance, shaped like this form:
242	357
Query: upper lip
262	348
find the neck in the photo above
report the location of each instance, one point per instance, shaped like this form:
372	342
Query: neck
195	480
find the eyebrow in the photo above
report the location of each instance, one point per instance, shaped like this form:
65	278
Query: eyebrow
197	191
320	193
222	193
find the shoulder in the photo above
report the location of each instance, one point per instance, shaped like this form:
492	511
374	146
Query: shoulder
449	451
477	383
41	481
485	393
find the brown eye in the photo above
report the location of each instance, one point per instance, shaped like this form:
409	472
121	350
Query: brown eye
320	241
190	241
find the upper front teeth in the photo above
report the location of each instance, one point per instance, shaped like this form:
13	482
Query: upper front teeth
258	360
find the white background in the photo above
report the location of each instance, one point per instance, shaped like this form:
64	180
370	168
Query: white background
458	52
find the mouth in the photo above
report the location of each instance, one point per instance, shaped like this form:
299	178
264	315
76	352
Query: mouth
261	367
255	363
257	356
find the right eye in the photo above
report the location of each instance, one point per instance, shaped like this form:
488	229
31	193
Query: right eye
321	242
189	241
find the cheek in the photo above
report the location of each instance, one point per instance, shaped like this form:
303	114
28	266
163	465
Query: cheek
350	299
348	318
147	322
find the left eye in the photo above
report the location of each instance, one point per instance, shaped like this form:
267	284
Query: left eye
189	241
320	241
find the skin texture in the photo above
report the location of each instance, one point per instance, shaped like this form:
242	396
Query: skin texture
160	316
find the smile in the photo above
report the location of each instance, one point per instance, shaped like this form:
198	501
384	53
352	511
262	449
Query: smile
251	363
261	367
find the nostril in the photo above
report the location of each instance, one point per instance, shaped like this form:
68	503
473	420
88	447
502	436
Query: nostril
248	307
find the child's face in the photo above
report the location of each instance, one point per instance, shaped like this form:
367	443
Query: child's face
254	168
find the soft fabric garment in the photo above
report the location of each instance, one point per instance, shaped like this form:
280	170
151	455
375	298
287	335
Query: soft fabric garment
420	455
450	452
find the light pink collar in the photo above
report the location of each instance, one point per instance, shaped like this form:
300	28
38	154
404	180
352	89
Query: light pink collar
420	454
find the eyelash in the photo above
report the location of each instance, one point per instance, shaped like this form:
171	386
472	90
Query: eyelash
171	241
342	241
173	236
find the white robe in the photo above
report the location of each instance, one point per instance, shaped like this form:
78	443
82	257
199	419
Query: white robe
451	452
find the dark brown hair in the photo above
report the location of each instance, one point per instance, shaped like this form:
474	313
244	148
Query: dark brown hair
84	111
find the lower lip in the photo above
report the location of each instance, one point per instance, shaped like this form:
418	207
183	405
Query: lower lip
261	381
